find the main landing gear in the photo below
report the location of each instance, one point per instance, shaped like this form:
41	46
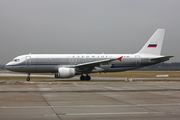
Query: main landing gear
87	77
28	77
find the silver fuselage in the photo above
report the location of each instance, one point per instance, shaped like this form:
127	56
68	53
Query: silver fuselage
49	63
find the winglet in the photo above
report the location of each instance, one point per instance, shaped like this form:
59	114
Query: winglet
154	44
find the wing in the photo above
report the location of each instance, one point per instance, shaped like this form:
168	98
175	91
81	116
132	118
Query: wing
89	66
94	63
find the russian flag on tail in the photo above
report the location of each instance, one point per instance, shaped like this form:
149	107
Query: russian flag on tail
152	45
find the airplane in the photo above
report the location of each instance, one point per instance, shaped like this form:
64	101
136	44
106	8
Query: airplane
70	65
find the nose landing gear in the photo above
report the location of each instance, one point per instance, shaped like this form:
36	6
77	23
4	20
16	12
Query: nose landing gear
28	77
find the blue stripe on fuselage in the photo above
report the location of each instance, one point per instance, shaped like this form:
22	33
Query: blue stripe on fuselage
113	66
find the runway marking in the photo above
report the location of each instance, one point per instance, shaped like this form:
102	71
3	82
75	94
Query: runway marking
122	113
26	107
113	88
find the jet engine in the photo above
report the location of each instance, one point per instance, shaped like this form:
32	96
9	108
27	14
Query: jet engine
65	73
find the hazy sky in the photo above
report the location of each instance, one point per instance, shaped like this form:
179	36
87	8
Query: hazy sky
86	26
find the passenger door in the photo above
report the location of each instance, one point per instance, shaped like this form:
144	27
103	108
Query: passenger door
28	60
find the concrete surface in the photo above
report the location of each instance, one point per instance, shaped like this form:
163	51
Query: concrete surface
50	77
90	101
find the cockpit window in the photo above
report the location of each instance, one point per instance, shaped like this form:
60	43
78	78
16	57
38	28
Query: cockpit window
16	60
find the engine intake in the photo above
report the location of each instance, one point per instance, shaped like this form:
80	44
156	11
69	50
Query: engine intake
65	73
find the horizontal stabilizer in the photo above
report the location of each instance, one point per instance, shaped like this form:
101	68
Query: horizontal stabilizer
164	58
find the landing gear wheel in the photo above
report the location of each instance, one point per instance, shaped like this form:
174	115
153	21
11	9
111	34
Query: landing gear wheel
88	78
82	77
28	78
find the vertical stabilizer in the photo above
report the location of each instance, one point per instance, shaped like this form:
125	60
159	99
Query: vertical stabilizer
154	44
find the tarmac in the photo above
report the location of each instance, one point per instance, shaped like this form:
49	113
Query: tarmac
90	100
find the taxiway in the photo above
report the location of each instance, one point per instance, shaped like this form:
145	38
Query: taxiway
90	100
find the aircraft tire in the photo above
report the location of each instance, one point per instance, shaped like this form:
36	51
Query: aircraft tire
82	77
88	78
28	78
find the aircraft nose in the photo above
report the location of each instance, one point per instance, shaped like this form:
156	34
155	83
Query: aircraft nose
7	66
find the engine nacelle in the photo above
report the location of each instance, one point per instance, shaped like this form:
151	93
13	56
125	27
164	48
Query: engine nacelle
65	73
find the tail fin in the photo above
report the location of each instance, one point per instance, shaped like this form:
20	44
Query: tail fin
154	44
